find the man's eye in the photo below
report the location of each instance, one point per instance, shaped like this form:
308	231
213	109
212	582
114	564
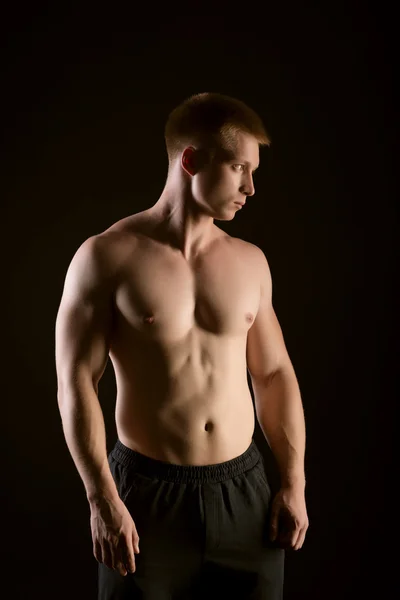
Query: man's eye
242	166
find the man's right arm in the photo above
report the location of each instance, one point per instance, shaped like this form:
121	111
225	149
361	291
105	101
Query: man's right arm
83	331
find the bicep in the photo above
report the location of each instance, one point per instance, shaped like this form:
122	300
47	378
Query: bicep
266	351
84	319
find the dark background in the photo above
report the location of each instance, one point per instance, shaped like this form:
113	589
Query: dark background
85	98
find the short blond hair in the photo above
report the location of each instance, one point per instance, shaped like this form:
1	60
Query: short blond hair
211	121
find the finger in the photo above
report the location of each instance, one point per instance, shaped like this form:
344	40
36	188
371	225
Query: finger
295	538
303	535
300	540
125	555
116	560
130	556
107	556
135	539
286	536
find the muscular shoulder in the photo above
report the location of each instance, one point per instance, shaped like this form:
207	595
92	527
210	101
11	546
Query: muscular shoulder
120	238
257	261
102	255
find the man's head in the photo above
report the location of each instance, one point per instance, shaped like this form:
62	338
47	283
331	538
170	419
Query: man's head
213	142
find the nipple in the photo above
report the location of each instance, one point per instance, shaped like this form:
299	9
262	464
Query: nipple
249	317
149	319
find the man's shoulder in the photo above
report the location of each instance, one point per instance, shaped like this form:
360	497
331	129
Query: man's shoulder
108	250
253	255
249	248
121	235
122	227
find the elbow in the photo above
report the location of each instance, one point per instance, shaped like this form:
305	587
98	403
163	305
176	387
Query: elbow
266	379
263	381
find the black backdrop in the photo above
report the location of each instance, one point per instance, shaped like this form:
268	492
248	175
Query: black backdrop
85	98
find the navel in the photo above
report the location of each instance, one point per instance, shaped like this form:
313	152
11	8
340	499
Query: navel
208	426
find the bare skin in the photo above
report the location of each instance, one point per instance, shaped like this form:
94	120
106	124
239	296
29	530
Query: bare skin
179	344
184	296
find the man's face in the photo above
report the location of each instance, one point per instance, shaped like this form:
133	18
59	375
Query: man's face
227	179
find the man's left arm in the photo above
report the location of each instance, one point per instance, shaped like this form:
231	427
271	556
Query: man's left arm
280	415
279	412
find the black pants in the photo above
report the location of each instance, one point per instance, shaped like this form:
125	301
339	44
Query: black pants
204	530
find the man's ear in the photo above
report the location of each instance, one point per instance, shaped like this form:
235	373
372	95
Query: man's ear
188	160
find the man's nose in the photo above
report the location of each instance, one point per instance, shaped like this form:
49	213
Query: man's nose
248	186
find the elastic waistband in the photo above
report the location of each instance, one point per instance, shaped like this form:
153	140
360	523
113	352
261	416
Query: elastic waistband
182	473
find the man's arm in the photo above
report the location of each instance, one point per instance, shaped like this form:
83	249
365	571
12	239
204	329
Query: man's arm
83	330
277	396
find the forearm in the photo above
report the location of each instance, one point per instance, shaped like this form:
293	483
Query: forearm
280	414
84	431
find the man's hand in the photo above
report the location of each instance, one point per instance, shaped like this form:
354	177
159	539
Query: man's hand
115	539
289	520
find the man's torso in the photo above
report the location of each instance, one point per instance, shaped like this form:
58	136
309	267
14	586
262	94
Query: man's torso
179	344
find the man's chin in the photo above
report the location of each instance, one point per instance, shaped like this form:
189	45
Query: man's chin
228	212
224	217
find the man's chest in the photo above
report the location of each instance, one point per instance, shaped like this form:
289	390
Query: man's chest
163	296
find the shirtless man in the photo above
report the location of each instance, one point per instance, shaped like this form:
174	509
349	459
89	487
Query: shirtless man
183	310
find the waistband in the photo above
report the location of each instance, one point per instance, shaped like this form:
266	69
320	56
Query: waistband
183	473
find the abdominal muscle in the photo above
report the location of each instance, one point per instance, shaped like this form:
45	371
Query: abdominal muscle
200	415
